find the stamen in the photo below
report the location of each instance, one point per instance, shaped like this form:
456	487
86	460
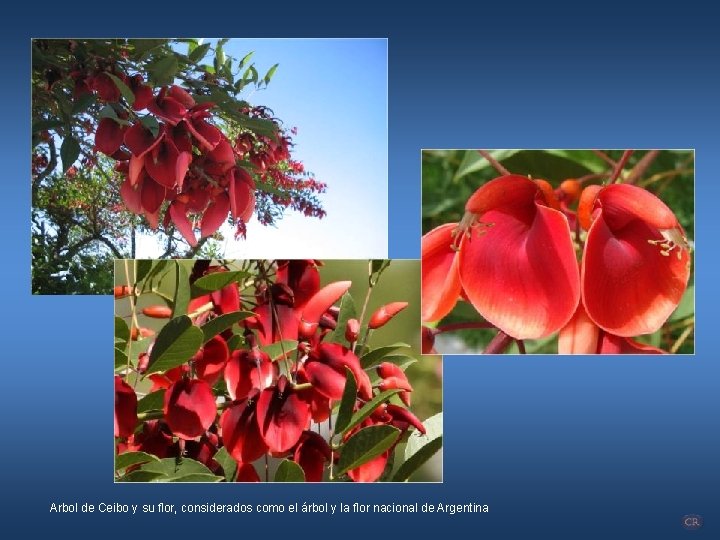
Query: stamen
467	223
672	239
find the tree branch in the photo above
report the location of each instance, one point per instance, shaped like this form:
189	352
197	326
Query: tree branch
494	162
641	166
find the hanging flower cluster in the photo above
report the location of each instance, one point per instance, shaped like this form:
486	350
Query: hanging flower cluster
233	395
514	258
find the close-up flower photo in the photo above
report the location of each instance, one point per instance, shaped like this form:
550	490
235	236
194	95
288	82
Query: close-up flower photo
558	251
273	371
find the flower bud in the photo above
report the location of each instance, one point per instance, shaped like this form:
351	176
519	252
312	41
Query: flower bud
352	329
385	313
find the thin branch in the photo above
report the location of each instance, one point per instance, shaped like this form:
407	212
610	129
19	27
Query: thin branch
498	344
607	159
494	162
641	166
620	164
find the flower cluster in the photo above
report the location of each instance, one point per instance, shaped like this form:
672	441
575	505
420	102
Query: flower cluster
513	257
233	395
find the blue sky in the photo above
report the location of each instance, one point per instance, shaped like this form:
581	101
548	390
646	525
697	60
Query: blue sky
335	92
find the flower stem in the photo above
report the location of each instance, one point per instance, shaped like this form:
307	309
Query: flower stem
494	162
619	167
498	344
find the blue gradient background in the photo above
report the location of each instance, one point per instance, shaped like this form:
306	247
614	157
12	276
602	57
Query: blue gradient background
558	447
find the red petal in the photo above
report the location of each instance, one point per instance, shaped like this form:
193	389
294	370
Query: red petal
242	198
241	434
125	408
140	140
189	408
143	97
511	192
519	270
215	215
162	164
223	155
181	96
246	473
326	380
168	109
136	169
178	214
282	416
109	136
629	287
322	300
247	371
339	357
371	470
208	136
211	361
440	277
610	344
623	203
131	197
311	453
152	195
181	167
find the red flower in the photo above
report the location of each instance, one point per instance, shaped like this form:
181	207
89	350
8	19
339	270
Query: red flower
249	371
142	92
325	369
168	105
394	377
109	136
311	453
385	313
210	360
246	473
241	433
125	408
282	416
320	302
517	261
189	408
636	264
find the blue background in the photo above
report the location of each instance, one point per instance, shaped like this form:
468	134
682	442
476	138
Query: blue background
558	447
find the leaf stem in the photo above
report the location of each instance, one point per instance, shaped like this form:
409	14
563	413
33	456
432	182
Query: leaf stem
494	162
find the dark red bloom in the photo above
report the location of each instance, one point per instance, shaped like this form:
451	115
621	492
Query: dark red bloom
393	377
210	360
319	304
325	369
248	371
282	416
189	408
109	136
246	473
125	408
241	433
167	106
311	453
105	87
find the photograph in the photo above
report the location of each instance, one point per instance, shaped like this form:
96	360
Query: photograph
558	251
266	370
204	148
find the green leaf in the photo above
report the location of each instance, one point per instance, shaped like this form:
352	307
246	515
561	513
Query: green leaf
42	125
123	461
122	332
245	59
120	358
219	324
376	356
215	281
270	73
347	312
228	464
144	46
433	429
347	403
69	152
289	471
473	162
219	57
108	112
366	444
124	90
176	467
82	104
182	290
235	342
199	52
403	361
140	476
163	71
151	124
261	126
195	477
158	267
367	409
176	343
414	462
151	402
278	350
142	269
